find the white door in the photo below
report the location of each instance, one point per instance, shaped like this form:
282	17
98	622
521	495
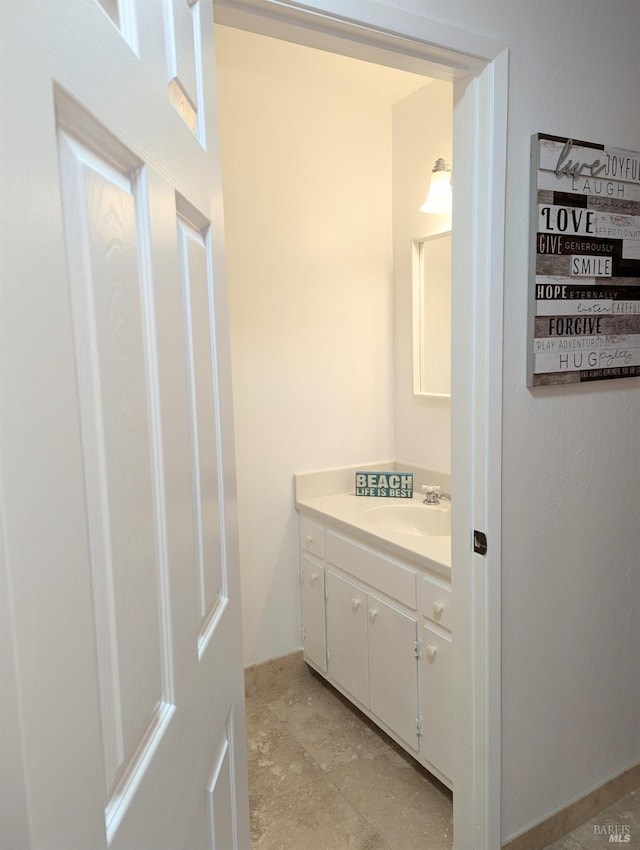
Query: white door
119	550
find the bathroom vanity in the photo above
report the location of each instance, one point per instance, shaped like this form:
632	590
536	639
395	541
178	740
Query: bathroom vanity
376	612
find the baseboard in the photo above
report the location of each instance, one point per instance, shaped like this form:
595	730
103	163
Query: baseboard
576	813
273	672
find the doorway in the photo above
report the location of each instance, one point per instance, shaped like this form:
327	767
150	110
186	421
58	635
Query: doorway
479	151
325	161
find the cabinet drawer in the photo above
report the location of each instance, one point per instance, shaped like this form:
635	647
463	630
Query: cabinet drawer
311	537
387	576
435	602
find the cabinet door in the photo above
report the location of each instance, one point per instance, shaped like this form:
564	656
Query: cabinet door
393	673
436	700
312	612
347	636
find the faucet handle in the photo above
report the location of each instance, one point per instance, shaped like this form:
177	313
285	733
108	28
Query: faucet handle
432	494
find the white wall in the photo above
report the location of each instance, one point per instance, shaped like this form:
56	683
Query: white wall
422	132
306	155
571	456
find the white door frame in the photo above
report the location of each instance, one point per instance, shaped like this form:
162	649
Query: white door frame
478	68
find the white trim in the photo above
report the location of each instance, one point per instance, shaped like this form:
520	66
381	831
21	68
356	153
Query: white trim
499	86
480	120
365	29
478	66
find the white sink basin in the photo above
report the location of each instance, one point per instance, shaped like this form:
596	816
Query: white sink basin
411	518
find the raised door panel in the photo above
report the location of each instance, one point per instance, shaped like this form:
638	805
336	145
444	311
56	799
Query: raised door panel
393	668
105	207
220	801
184	61
347	636
194	247
210	825
122	13
312	609
436	701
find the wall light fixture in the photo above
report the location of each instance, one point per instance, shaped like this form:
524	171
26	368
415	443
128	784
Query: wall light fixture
439	198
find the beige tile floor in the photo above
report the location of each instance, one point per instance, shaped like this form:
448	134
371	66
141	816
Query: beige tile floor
322	777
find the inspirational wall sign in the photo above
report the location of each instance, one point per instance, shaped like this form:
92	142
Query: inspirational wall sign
584	306
397	485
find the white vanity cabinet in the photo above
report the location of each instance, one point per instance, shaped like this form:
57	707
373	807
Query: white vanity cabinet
379	630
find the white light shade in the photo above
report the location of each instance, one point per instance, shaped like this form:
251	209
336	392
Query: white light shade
439	199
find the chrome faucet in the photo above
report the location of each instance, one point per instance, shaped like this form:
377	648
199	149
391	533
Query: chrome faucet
433	494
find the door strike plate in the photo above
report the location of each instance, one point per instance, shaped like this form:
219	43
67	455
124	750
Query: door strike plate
479	542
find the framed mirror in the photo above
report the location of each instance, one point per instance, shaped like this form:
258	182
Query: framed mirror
431	267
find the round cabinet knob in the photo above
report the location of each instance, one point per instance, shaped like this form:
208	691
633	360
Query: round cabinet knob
314	577
438	607
355	604
372	614
308	539
431	650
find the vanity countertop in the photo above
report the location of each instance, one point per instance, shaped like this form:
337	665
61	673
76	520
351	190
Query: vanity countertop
347	512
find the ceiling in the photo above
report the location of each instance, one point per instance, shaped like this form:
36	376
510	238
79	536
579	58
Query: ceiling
261	55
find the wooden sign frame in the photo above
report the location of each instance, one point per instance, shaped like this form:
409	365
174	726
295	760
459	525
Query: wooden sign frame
584	297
